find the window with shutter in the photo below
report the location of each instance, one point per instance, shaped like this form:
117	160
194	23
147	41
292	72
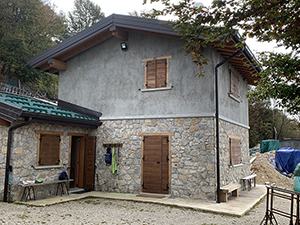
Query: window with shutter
235	150
234	84
157	72
48	149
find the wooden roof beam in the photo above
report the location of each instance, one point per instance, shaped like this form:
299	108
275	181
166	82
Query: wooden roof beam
57	64
44	67
119	33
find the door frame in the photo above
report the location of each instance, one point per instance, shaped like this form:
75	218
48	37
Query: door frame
169	135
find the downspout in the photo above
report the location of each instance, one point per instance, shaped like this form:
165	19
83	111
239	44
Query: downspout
217	119
8	153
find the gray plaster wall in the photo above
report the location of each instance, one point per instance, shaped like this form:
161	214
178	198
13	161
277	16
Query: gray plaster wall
109	80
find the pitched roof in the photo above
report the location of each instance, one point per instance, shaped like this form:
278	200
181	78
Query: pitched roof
15	107
53	59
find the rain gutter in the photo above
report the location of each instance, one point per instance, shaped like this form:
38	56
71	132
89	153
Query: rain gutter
8	154
217	119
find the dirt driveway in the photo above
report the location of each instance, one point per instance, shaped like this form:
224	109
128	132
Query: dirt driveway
104	211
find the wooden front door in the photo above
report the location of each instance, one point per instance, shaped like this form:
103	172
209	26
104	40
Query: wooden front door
155	164
82	163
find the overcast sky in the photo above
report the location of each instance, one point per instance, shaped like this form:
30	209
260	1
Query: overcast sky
124	6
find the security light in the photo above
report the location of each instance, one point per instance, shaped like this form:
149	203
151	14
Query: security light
124	46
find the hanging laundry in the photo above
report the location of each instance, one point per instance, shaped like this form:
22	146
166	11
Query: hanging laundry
113	167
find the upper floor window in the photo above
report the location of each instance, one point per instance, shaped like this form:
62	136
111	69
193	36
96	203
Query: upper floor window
234	85
48	149
156	72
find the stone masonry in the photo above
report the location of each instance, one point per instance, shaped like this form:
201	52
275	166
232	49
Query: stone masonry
193	159
192	155
24	156
192	152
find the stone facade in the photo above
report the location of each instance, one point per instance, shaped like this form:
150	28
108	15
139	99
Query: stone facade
192	155
24	157
233	174
193	159
192	152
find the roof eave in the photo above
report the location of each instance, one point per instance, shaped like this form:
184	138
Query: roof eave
43	118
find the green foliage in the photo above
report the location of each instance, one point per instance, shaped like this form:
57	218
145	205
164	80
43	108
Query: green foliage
272	20
46	87
267	123
26	29
84	14
280	80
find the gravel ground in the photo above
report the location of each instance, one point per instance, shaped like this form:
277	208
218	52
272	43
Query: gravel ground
104	211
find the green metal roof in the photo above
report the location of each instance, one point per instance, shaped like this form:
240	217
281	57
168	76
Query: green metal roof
31	105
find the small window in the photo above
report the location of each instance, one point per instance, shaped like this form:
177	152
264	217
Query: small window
157	72
48	149
234	85
235	150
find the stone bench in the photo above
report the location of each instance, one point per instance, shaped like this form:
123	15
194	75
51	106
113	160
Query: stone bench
247	181
29	193
230	188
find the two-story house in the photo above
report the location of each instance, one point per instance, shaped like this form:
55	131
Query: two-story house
157	116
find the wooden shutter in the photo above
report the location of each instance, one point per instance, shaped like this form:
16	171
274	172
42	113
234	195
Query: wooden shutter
161	73
89	172
156	73
49	152
234	84
235	151
151	74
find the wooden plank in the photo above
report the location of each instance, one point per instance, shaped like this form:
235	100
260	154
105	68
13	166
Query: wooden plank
4	123
230	187
82	146
90	152
57	64
120	34
76	49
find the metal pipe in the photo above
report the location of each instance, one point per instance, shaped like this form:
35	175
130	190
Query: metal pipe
8	153
217	119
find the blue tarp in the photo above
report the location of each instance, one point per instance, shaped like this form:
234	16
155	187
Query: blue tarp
286	160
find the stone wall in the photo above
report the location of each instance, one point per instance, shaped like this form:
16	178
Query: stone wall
24	155
228	173
3	144
192	155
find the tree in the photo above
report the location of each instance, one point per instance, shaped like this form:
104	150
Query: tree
84	14
269	123
266	20
26	29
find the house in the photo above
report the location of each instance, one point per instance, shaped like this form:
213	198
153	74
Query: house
39	140
158	118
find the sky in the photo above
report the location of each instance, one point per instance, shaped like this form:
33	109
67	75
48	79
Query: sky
125	6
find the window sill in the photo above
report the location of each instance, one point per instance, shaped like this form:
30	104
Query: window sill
156	89
234	98
47	167
237	165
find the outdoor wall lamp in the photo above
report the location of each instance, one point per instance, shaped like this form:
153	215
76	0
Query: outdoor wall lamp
123	46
